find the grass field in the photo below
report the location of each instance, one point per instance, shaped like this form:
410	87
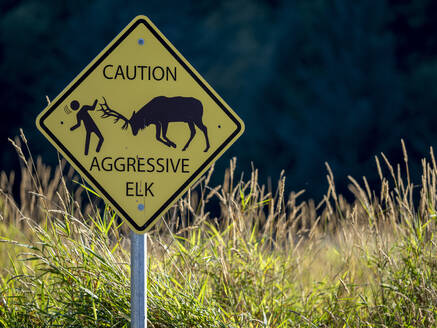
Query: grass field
268	259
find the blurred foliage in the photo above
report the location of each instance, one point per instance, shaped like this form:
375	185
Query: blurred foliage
337	81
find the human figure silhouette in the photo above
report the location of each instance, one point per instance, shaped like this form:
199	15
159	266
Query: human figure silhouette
90	127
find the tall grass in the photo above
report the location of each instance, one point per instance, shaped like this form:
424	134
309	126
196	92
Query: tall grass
267	260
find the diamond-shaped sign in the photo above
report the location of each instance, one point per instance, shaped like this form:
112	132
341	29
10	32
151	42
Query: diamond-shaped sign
140	124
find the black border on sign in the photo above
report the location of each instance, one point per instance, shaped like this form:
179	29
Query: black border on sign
193	75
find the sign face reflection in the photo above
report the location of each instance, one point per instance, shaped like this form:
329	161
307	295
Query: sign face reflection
140	124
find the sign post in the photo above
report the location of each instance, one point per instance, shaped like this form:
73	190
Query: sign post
140	125
138	280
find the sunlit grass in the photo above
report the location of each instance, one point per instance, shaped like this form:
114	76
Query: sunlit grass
268	259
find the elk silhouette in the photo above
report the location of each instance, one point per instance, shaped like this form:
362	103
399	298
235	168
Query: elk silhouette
160	111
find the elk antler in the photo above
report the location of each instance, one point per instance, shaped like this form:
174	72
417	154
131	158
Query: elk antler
108	112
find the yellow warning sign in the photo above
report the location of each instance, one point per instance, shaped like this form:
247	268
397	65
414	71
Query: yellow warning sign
140	124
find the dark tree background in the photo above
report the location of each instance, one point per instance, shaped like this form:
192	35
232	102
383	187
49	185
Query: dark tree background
335	80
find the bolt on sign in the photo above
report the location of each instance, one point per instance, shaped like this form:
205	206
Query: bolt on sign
140	124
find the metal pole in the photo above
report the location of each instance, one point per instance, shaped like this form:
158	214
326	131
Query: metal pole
138	280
